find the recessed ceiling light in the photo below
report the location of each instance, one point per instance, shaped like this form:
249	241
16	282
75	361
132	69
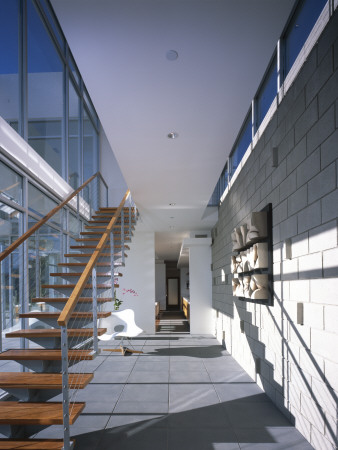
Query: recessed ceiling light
172	135
171	227
171	55
172	204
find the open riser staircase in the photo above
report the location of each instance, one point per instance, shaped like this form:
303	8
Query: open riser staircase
30	406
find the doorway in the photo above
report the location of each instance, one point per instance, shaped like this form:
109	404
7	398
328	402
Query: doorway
173	294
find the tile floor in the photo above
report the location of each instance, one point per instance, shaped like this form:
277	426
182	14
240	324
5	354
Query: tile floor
184	392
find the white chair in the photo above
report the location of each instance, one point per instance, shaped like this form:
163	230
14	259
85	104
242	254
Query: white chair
120	324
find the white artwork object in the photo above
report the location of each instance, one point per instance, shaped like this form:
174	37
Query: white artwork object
257	226
261	291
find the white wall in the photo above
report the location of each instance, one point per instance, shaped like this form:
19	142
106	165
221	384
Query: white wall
160	284
111	172
139	275
200	285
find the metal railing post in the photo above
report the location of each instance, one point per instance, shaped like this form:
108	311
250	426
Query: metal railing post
122	234
94	288
65	388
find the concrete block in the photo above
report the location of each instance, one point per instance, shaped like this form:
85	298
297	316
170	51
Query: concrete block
289	270
318	441
277	253
325	97
296	108
330	206
312	411
310	266
302	423
300	245
323	237
319	77
328	37
288	228
330	263
308	168
306	121
322	184
335	55
324	291
280	213
296	156
314	315
279	174
325	344
299	290
311	364
329	149
297	201
286	145
331	370
309	217
288	186
300	380
331	319
321	130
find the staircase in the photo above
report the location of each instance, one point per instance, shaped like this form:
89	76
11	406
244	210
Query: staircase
29	407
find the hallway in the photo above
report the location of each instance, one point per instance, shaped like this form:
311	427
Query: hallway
172	322
183	393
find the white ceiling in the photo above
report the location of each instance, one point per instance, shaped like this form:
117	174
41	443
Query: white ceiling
223	46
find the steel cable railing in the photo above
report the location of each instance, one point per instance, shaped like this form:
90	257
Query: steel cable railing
96	285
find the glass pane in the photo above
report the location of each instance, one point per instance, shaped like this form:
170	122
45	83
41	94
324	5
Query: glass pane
9	61
10	184
49	257
242	144
74	138
267	93
45	91
51	19
10	267
90	106
41	205
299	29
74	69
74	225
89	148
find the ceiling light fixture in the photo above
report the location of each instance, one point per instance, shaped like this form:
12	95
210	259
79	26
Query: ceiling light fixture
172	135
171	55
172	204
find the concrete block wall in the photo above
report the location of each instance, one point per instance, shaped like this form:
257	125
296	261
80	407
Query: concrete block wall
291	348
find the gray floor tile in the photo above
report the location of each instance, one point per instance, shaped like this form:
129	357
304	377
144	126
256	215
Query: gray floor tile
110	377
137	407
120	420
145	393
189	376
147	366
184	397
202	439
279	438
183	366
240	391
134	439
227	376
254	415
142	376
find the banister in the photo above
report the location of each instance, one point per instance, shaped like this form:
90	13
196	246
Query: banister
75	295
41	222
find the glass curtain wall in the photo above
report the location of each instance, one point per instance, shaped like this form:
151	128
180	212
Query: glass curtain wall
42	95
44	250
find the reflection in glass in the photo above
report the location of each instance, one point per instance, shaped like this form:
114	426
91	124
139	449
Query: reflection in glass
300	28
89	146
10	184
74	138
11	266
9	51
41	205
45	91
267	93
242	145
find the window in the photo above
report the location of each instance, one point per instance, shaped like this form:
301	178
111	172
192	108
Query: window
9	62
74	142
40	204
299	29
242	144
266	93
89	145
45	92
10	184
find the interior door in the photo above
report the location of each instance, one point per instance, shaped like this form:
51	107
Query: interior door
173	292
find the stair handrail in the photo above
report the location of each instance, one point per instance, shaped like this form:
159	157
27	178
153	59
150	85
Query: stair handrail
80	285
42	221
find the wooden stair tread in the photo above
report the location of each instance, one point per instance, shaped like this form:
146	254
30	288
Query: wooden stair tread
56	315
65	299
78	274
31	444
54	332
72	286
29	380
82	264
35	413
45	355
